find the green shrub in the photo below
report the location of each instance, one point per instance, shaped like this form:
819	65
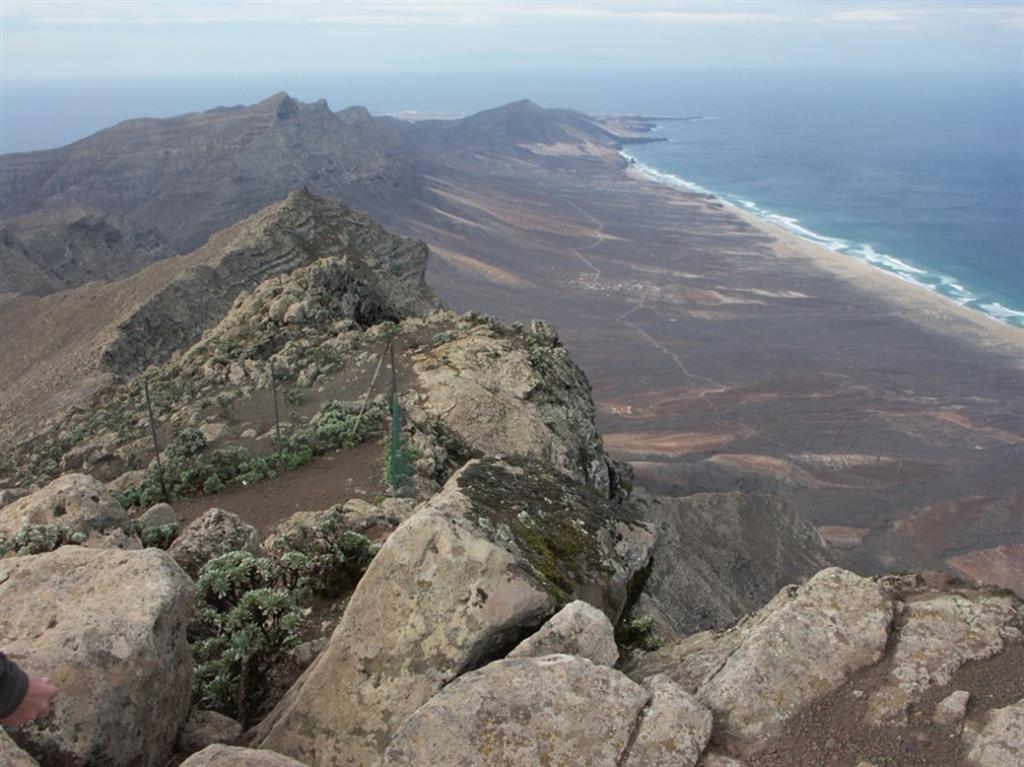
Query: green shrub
443	337
189	469
159	537
324	558
189	442
38	539
639	632
244	625
212	484
337	424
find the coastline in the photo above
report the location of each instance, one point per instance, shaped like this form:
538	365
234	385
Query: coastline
921	304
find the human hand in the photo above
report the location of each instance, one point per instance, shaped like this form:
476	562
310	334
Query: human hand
36	702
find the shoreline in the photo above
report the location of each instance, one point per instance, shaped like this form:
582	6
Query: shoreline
924	305
862	253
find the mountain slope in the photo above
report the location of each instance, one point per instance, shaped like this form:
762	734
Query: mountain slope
69	343
166	185
192	175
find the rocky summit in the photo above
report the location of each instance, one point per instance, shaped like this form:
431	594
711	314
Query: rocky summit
304	514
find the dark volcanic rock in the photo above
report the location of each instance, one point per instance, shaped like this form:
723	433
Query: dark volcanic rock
44	252
154	187
720	555
193	175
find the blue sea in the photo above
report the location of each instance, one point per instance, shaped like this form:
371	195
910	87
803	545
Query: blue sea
917	173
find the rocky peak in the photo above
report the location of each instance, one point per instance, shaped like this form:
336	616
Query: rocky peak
280	104
355	115
301	229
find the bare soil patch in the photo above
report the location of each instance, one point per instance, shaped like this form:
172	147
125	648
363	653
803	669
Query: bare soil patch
832	733
328	479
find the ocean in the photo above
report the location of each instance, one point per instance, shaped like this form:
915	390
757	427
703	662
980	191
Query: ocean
918	173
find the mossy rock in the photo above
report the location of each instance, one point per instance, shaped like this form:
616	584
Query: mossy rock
572	538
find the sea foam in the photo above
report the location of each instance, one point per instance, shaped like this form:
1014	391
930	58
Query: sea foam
941	284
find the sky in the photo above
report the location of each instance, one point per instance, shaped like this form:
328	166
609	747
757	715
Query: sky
56	39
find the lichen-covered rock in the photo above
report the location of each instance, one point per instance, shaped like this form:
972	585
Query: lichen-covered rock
800	646
720	556
514	395
11	755
108	627
938	634
206	728
76	503
674	728
577	629
480	565
216	532
523	712
998	740
235	756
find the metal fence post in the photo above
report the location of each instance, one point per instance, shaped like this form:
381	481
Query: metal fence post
277	414
156	442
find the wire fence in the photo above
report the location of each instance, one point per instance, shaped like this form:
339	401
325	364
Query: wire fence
398	459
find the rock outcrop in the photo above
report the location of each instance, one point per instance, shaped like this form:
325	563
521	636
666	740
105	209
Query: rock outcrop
522	712
719	556
998	740
801	645
577	629
108	627
938	633
508	396
484	562
216	532
74	503
883	642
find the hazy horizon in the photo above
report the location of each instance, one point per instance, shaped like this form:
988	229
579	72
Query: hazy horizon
95	38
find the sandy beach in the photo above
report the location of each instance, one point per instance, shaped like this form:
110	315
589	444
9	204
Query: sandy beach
926	306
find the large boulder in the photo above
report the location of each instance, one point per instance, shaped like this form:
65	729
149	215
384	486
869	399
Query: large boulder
108	627
577	629
483	563
720	556
673	728
157	515
216	532
803	644
514	394
998	740
522	712
75	503
235	756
